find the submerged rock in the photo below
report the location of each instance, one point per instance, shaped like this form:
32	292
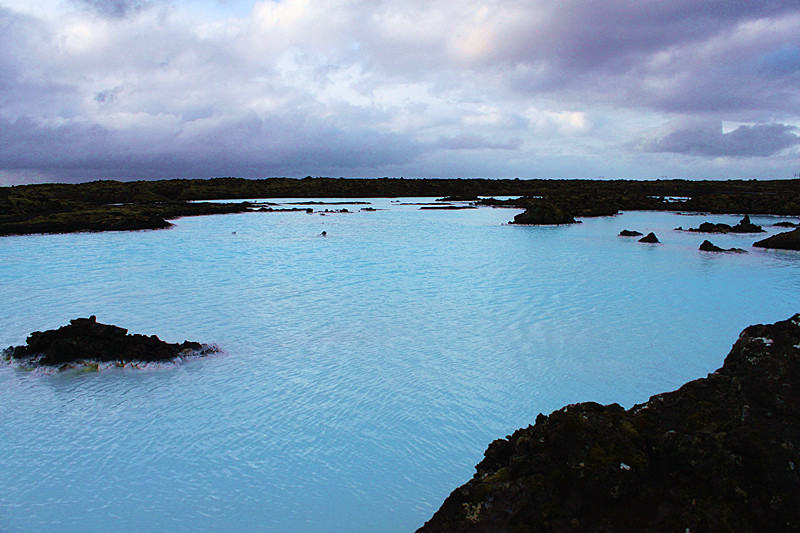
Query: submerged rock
708	246
87	341
629	233
789	240
650	238
721	453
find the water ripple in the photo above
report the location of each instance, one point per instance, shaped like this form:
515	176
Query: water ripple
364	372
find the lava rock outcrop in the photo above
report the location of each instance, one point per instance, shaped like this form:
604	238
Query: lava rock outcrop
543	212
650	238
721	453
708	246
86	341
789	240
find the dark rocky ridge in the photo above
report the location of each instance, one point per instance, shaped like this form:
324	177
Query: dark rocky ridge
86	341
721	453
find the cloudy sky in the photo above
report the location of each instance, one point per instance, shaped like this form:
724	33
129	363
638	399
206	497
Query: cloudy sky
637	89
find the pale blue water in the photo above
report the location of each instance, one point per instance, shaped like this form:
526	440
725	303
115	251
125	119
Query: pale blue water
365	372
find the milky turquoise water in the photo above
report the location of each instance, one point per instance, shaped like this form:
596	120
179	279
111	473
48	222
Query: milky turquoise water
364	372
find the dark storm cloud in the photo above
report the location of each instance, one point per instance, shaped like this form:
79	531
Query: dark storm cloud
683	56
619	32
243	147
673	56
707	139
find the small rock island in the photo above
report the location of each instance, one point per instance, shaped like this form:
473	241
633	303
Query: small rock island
721	453
86	342
650	238
708	246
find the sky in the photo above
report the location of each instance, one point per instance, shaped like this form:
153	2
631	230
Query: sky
613	89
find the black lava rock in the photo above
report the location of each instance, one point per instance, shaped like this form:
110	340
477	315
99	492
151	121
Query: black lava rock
544	213
86	340
721	453
708	246
789	240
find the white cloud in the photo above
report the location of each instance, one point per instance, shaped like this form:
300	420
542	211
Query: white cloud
566	122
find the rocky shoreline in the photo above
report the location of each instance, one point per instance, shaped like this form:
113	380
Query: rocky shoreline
88	343
721	453
124	206
95	218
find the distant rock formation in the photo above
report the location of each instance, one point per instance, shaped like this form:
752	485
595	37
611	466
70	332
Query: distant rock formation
86	341
722	453
650	238
785	224
284	210
459	198
544	213
744	226
708	246
447	207
789	240
629	233
112	217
